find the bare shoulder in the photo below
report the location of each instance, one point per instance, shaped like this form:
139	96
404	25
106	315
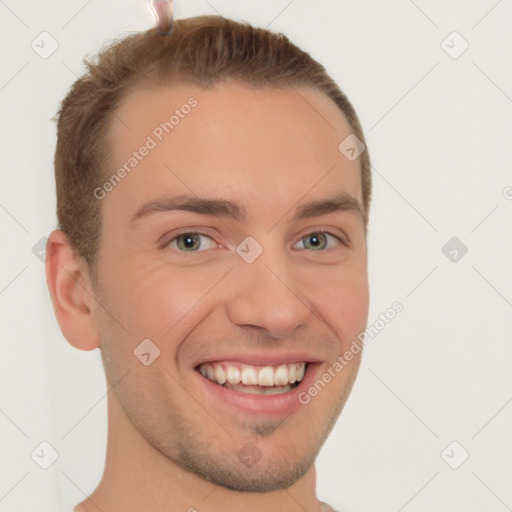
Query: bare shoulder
325	507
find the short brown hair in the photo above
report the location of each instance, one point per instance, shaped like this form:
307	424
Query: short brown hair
199	51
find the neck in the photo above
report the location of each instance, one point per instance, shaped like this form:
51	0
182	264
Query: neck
138	477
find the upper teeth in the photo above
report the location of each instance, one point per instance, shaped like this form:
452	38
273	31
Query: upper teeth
235	373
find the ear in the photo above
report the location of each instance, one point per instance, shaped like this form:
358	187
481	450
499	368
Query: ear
68	280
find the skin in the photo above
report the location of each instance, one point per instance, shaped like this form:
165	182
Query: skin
171	446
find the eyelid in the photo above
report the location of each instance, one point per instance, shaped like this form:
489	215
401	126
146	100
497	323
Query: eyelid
342	239
329	230
168	238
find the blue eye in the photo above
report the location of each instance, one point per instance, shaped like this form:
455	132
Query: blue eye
191	242
318	241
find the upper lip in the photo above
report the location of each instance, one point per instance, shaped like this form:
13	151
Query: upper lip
269	358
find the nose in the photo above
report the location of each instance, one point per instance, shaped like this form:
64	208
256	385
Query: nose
266	295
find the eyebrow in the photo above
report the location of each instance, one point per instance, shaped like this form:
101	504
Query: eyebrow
225	208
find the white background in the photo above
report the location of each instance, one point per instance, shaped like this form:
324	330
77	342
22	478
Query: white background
439	134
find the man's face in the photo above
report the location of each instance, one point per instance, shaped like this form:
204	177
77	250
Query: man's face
184	278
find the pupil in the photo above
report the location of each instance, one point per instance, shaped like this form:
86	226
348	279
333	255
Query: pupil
316	241
189	241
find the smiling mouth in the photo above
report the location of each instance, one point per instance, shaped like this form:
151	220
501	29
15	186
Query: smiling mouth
253	379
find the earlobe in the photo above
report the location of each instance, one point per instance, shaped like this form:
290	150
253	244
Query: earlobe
70	290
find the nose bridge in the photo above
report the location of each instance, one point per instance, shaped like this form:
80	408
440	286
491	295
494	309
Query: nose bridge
266	294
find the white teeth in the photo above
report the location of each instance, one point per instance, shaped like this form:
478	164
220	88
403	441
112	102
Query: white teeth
233	375
266	376
256	390
292	373
249	376
301	370
207	371
281	375
220	374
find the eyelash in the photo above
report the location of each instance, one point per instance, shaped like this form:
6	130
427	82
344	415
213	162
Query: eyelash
338	238
168	242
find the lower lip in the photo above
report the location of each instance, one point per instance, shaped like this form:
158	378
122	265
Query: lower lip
272	405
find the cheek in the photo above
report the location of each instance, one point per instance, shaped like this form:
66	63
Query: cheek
152	300
342	299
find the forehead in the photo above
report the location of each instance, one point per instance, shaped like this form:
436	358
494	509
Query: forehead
270	145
